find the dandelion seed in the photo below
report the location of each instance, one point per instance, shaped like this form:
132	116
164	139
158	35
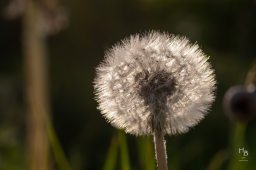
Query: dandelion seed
154	84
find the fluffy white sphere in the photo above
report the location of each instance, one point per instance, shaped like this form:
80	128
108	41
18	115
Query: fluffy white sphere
154	82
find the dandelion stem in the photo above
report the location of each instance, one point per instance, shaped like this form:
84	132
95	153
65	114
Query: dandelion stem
237	143
34	51
160	150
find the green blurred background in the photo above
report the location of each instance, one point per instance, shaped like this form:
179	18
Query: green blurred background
225	31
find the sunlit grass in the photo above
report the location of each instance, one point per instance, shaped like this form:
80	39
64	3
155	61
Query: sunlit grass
125	161
118	143
58	152
237	142
111	157
146	153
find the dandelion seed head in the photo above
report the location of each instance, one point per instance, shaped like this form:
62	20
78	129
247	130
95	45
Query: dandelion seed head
154	81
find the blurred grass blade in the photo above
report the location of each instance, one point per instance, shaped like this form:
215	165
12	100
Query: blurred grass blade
237	142
217	161
110	163
125	162
59	155
146	153
150	162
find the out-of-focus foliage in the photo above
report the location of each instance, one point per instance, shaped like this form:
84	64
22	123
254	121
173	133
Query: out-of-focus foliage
225	31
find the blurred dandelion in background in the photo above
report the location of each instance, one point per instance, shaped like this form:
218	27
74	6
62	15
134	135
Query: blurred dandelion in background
155	84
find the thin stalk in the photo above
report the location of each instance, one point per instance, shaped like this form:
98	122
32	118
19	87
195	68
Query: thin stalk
160	150
237	142
36	79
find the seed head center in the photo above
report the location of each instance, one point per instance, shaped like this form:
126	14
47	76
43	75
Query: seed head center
155	85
